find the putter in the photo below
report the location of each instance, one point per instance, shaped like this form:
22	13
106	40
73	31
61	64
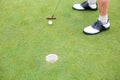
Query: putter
53	17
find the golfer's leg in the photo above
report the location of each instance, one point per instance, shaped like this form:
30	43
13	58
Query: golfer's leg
103	9
102	23
92	3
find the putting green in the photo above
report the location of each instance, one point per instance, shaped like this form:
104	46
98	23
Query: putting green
26	38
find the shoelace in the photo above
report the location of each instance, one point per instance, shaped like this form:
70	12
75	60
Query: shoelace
97	24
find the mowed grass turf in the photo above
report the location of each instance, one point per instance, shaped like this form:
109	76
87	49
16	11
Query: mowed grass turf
26	38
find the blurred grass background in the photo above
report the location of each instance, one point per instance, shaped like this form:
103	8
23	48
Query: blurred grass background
26	38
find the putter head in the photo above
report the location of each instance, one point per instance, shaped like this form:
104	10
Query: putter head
51	18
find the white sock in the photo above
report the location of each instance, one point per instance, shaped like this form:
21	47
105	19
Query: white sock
103	19
92	3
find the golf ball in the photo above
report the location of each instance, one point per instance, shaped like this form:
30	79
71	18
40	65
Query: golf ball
51	58
50	22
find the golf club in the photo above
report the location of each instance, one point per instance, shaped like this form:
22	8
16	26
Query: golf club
53	13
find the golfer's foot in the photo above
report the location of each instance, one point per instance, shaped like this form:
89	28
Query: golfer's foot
97	27
85	6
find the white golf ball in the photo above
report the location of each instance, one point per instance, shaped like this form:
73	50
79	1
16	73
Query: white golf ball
51	58
50	22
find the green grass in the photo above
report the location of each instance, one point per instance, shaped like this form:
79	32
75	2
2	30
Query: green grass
26	38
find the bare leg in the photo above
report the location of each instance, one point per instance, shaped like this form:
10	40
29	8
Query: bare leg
103	22
103	9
